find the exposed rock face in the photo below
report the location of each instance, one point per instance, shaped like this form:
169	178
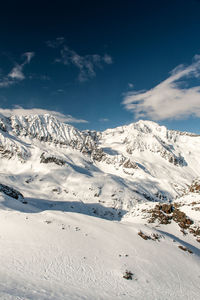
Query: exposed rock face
98	154
165	213
11	192
3	125
10	148
130	164
195	186
51	159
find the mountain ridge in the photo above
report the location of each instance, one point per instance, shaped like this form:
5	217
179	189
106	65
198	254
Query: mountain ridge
143	159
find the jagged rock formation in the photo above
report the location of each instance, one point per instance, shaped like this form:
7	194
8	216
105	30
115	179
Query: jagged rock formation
47	128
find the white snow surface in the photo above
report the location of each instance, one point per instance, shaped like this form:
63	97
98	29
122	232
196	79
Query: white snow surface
85	194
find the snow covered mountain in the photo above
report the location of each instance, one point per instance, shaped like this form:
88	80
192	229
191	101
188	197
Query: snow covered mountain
124	165
83	210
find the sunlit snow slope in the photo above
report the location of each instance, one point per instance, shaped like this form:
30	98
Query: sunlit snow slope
79	209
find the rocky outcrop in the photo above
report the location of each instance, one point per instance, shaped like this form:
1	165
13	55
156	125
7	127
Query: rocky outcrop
51	159
165	213
98	154
130	164
3	126
195	186
11	192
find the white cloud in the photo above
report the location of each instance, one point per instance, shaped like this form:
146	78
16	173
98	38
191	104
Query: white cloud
171	99
20	111
87	64
16	74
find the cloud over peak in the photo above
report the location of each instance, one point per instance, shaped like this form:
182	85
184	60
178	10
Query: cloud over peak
171	99
20	111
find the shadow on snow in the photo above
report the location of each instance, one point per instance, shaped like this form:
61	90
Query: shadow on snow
194	249
35	205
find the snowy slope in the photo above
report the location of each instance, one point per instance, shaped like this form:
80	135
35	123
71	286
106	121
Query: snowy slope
54	254
72	204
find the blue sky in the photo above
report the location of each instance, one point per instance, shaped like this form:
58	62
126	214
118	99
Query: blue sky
102	63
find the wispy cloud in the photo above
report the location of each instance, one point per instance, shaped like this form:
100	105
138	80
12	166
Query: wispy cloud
130	85
171	99
103	120
20	111
86	64
29	56
16	74
43	77
107	59
56	43
5	82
